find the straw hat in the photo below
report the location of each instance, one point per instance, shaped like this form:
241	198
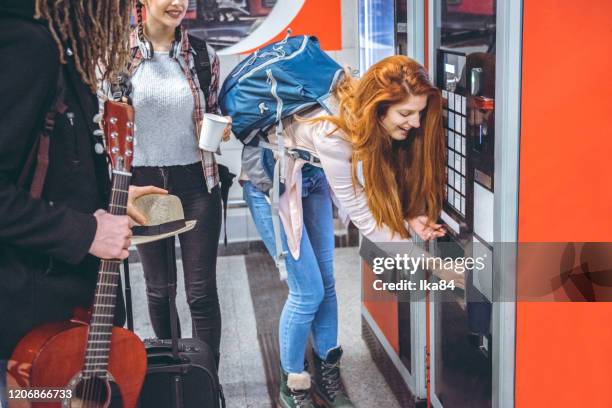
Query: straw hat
165	218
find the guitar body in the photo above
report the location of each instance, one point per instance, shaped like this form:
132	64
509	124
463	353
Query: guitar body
51	356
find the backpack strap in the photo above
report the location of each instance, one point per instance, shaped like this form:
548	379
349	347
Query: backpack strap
279	259
226	179
38	158
294	153
203	66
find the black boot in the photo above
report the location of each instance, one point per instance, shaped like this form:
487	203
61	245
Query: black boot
328	388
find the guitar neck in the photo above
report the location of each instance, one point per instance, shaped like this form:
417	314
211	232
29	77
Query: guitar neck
103	312
119	193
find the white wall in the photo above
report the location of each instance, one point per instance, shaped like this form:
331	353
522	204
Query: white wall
349	55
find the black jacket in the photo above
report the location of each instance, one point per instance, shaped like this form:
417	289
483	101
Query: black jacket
45	271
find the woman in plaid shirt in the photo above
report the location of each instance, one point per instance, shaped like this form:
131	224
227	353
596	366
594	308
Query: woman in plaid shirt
169	105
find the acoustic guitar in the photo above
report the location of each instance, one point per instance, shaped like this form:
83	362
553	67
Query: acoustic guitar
72	363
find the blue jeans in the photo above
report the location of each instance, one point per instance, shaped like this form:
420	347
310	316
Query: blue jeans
3	397
311	304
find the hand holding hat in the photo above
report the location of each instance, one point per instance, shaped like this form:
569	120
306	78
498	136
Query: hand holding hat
135	193
164	218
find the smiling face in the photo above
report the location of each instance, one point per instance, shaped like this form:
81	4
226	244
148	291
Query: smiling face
403	116
168	13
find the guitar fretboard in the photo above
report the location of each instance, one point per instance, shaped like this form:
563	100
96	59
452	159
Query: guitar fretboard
103	312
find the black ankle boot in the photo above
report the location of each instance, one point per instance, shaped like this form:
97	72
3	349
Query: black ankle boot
328	388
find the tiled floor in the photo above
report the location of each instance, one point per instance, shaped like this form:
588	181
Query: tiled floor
242	369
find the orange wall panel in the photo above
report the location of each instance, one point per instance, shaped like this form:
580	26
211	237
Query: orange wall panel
566	134
563	354
381	306
321	18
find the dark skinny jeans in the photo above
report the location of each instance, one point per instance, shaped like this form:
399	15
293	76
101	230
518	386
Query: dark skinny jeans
198	251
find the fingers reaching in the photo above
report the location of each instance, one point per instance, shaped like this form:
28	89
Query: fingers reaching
139	191
136	216
136	192
426	229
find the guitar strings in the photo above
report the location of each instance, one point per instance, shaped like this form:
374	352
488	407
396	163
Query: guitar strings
105	298
110	279
105	305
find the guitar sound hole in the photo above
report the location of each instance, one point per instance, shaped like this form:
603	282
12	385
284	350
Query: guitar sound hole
91	393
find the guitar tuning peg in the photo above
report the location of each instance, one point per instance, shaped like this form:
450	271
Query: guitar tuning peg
98	133
97	118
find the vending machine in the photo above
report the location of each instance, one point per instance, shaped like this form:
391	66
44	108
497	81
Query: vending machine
525	114
460	330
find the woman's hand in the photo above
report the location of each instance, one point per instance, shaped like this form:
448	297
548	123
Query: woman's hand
228	129
136	192
426	229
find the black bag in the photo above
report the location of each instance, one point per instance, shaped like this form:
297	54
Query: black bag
181	373
189	381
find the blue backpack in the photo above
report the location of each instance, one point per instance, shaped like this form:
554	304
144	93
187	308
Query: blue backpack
277	81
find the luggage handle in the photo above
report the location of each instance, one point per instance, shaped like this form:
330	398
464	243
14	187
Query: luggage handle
221	396
128	295
171	257
172	298
178	369
161	347
161	350
178	391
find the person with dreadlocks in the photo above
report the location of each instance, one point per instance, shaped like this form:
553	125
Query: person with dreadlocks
50	246
170	98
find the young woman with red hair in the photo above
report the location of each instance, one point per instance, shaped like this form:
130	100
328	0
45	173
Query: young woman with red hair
388	123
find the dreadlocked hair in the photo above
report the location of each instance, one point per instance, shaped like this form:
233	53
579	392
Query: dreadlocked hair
97	32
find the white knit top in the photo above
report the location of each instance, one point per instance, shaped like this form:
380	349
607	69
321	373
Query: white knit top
165	132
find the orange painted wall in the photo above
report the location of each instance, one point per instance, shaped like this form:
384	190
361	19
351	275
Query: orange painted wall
382	307
563	349
321	18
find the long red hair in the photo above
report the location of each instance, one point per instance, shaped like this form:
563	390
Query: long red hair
403	179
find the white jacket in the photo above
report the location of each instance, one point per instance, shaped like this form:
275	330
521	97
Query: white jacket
335	152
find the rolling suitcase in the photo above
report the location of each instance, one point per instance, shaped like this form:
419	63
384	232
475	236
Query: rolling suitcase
181	373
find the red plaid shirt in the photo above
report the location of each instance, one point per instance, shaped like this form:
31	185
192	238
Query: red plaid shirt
184	55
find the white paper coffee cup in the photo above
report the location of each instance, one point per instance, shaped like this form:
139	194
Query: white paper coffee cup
212	130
